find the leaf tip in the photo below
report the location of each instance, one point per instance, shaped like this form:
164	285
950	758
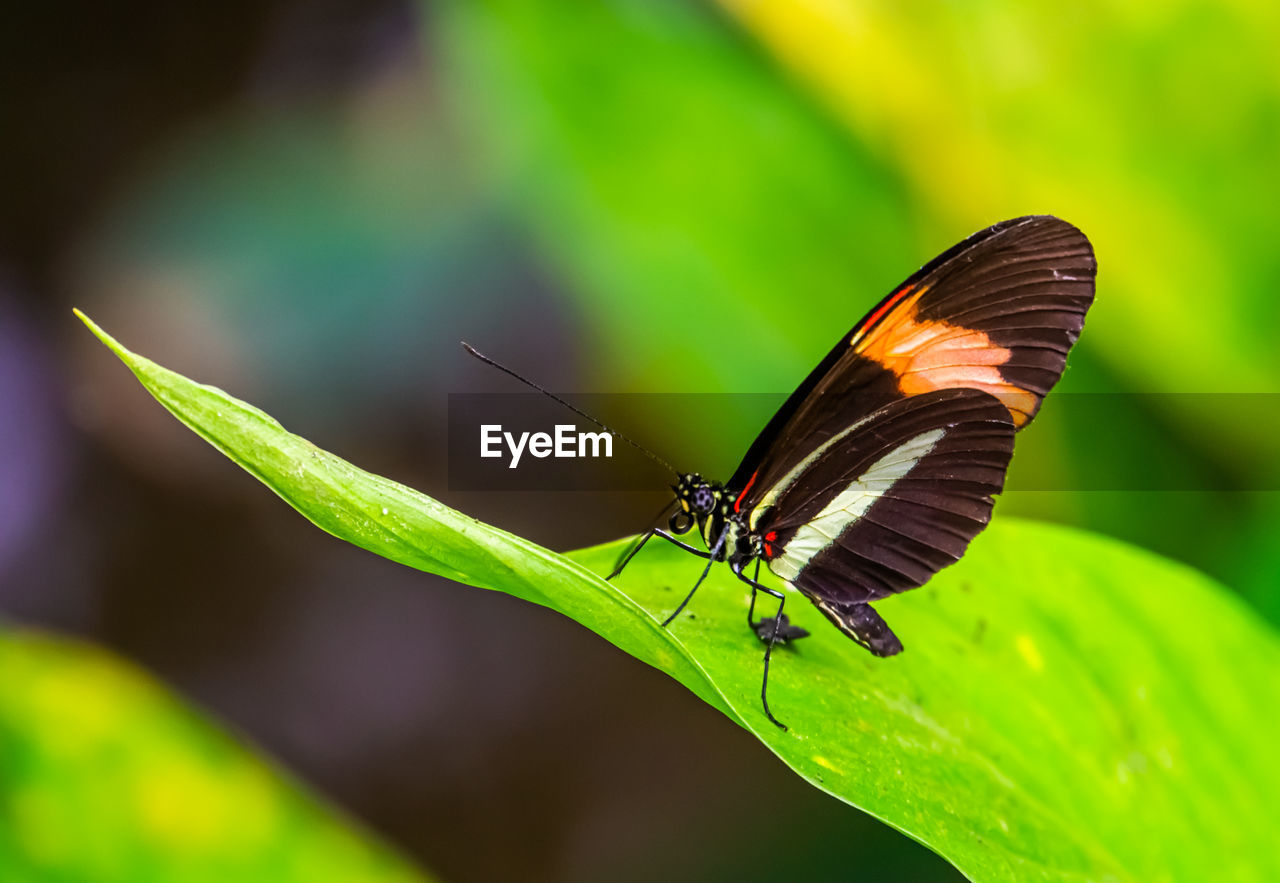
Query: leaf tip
110	342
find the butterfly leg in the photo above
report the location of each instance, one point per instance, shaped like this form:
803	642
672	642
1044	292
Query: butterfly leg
751	610
683	545
632	553
711	559
763	628
775	630
644	539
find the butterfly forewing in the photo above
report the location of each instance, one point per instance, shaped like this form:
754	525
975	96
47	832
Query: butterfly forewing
882	506
998	312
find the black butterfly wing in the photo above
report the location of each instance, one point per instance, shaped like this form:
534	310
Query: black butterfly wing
882	506
998	312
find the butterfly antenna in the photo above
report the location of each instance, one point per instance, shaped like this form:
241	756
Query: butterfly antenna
583	414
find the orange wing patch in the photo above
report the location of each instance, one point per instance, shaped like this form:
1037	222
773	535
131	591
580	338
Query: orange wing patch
928	355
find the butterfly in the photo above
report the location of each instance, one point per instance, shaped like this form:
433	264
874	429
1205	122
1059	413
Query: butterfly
883	464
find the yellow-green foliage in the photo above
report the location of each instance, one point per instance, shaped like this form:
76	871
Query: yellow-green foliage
108	778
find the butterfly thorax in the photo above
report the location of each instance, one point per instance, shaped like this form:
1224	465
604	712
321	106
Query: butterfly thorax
709	505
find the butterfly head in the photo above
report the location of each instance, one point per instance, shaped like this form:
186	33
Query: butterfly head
697	499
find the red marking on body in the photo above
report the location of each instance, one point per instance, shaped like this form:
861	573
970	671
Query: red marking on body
768	544
738	502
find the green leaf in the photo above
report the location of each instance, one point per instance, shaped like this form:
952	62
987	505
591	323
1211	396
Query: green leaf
106	777
1068	708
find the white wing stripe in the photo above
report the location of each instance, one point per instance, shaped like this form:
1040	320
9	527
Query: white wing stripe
851	504
767	501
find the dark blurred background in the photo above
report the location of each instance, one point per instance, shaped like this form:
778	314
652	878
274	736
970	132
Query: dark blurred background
309	204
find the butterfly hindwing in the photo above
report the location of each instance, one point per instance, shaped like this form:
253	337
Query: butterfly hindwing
998	312
880	507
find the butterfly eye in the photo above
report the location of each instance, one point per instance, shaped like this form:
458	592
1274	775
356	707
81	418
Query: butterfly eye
703	500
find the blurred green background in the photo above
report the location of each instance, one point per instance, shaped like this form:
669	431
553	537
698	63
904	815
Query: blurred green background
309	204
